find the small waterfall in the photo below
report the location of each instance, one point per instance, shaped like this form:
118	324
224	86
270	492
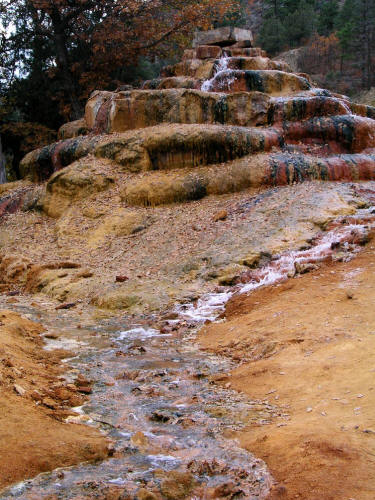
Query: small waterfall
3	174
221	69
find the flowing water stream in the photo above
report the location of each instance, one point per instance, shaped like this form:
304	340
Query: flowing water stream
153	394
153	398
221	71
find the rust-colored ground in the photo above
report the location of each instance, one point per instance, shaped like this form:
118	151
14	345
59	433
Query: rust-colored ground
33	404
308	346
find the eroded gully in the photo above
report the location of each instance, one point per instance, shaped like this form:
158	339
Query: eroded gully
154	396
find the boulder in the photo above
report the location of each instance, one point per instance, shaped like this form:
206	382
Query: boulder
208	52
272	82
73	129
173	82
73	183
223	37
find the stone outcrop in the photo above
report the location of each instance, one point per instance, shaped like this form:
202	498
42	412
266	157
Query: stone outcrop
103	194
224	37
224	102
73	129
271	82
73	183
140	109
163	147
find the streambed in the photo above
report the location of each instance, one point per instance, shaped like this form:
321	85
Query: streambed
153	393
153	397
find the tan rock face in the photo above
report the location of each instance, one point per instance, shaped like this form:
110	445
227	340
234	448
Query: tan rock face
93	106
154	148
223	37
205	69
208	52
256	125
173	82
140	109
272	82
121	222
72	183
73	129
245	52
256	63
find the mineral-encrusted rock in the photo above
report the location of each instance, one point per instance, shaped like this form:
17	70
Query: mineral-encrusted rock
224	37
208	52
272	82
256	123
140	108
73	129
75	182
162	147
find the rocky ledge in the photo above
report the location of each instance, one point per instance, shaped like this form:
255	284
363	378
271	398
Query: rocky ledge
221	129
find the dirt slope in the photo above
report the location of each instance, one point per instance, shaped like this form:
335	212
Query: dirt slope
308	346
33	403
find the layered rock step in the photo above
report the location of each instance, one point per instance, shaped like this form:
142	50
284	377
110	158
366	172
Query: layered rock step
108	112
119	112
223	119
159	188
271	82
202	70
163	147
166	147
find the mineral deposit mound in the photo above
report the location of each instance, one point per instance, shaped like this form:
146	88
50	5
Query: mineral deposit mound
225	118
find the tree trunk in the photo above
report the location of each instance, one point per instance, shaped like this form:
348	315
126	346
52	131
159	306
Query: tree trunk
3	174
62	59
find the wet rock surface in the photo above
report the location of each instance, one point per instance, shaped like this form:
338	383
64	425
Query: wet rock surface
229	85
35	400
154	393
94	242
151	394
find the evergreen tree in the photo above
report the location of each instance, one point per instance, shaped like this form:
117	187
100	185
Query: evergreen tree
356	32
327	17
273	35
301	24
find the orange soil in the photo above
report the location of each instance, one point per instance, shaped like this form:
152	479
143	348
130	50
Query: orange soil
33	403
308	347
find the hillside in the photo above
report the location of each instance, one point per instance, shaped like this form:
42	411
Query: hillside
202	247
